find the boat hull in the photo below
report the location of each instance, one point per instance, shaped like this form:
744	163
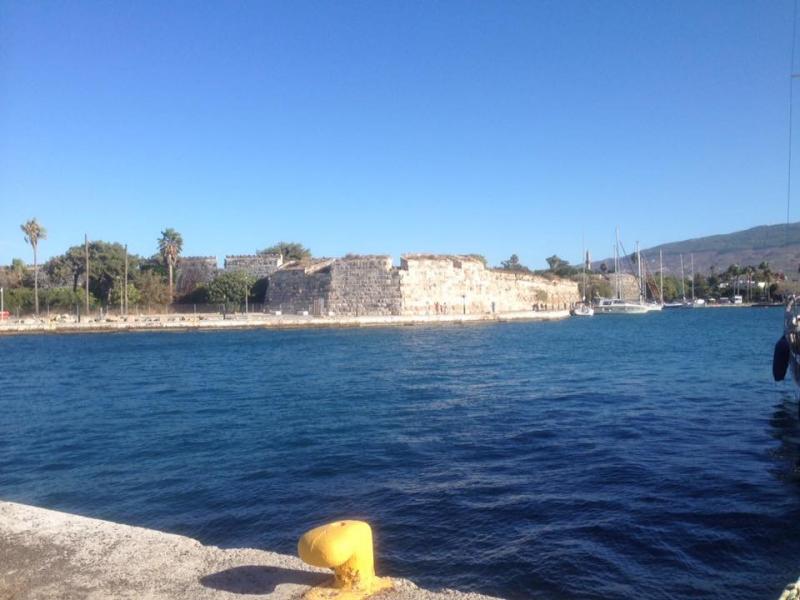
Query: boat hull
621	308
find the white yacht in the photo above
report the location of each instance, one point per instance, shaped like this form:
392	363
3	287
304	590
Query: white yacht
616	306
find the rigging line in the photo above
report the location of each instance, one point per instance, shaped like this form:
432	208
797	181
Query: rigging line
792	76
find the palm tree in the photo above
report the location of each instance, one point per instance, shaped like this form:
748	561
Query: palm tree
33	233
170	245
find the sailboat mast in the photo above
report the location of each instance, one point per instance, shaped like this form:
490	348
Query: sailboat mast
583	251
683	281
616	265
661	275
692	257
639	269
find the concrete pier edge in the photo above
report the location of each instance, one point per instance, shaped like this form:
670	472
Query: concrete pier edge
261	321
46	554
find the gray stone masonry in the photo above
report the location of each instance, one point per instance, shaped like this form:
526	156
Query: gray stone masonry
257	265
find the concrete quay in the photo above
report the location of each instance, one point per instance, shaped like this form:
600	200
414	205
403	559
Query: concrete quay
49	555
177	322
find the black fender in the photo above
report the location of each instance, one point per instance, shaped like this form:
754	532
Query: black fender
780	359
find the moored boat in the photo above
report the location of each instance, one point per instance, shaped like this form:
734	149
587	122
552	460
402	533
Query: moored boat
582	309
616	306
787	349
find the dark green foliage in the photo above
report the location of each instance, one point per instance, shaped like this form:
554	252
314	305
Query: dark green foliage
289	250
230	287
513	264
560	267
258	293
106	267
54	300
199	295
152	288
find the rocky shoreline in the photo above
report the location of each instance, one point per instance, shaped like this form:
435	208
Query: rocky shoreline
177	322
48	554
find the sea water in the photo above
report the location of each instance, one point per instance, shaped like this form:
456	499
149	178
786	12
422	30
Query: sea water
612	457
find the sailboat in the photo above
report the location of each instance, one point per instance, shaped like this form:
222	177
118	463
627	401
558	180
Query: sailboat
696	302
583	309
650	306
618	306
786	355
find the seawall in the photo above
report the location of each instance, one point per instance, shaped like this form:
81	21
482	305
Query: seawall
46	554
260	321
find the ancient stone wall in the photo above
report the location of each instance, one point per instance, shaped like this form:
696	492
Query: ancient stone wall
463	285
257	265
364	285
423	285
628	286
299	288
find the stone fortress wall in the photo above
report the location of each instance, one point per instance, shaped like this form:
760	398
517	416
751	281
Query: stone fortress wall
365	285
296	288
257	265
422	285
435	284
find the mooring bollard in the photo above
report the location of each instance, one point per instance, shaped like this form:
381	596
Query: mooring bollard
345	547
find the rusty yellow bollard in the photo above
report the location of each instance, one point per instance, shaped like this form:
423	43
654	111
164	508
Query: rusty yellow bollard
345	547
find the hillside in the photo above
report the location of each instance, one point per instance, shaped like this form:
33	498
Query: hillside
779	245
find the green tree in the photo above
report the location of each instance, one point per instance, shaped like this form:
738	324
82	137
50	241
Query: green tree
198	295
560	267
18	267
671	289
152	289
19	299
118	293
170	245
289	250
34	232
106	267
700	286
513	264
62	298
555	263
13	275
231	287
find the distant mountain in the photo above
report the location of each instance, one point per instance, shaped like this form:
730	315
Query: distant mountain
779	245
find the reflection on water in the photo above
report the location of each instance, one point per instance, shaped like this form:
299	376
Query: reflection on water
785	423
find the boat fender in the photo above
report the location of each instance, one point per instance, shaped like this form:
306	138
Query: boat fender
780	359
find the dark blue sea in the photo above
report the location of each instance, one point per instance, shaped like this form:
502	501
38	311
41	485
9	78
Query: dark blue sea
615	457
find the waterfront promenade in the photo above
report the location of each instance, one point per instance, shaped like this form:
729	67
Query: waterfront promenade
48	554
253	321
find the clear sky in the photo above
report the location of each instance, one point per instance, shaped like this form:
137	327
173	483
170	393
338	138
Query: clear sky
389	127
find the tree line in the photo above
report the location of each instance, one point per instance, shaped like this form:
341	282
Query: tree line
749	281
117	278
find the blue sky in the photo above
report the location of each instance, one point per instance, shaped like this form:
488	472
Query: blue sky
390	127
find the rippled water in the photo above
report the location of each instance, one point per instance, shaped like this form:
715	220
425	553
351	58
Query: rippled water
615	457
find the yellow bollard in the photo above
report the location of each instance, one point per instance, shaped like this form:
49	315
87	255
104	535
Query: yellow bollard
345	547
